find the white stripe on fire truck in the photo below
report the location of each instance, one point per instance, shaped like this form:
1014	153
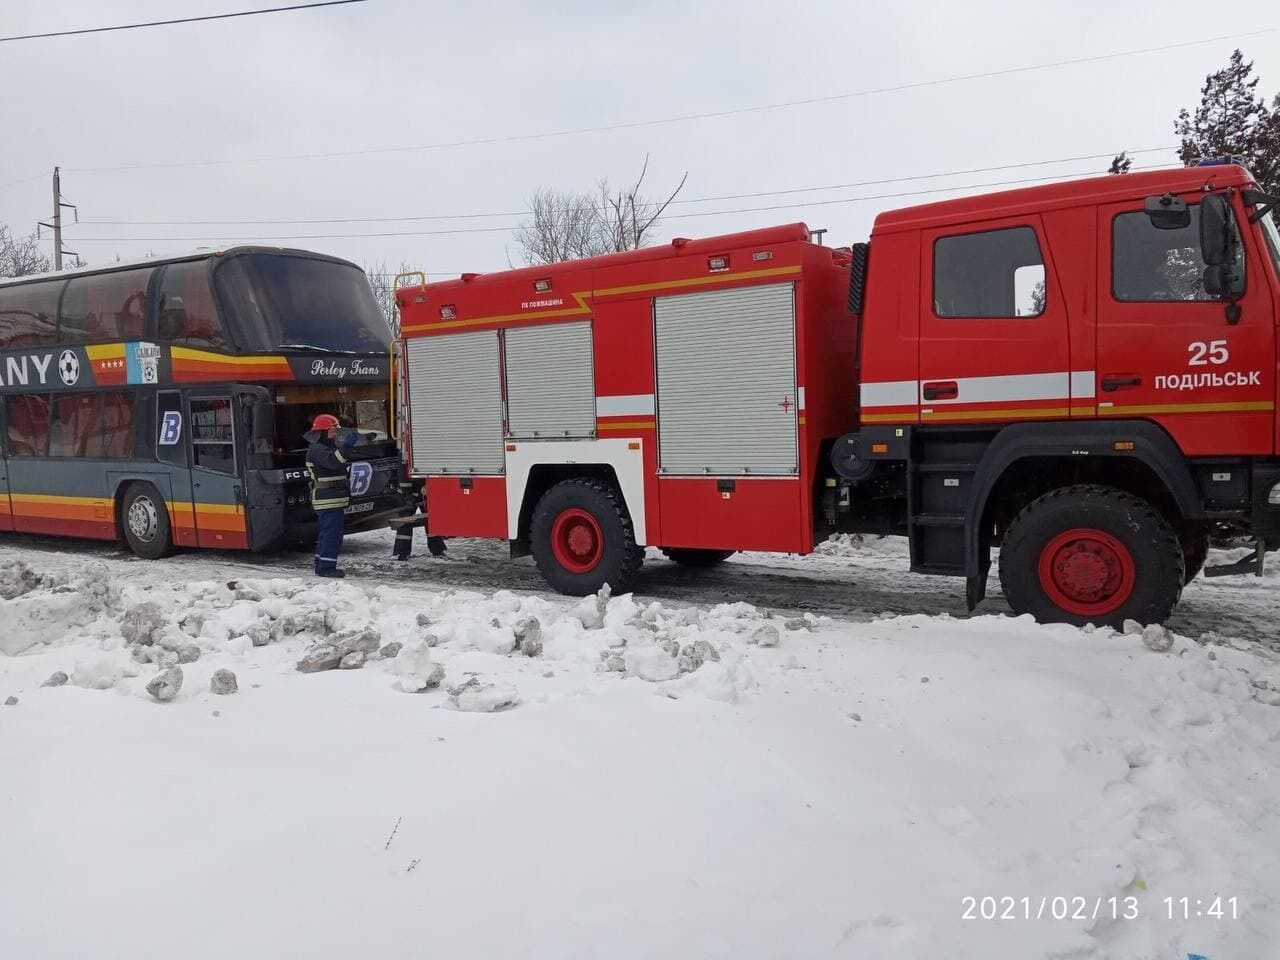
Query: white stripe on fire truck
1076	384
631	405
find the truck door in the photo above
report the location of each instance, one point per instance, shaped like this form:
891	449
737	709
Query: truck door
217	490
993	325
1168	350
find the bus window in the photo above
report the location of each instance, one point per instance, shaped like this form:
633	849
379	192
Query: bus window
211	435
28	314
28	426
186	307
75	428
109	306
281	302
117	425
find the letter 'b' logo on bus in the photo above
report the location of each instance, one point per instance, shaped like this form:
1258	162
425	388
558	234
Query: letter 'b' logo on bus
170	428
361	478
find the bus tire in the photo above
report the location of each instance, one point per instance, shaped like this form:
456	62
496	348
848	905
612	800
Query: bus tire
581	538
692	557
144	519
1091	554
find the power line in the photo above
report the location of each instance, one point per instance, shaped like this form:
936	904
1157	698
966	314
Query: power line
507	229
685	118
731	196
168	23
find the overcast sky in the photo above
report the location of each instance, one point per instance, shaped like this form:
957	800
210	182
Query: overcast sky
397	73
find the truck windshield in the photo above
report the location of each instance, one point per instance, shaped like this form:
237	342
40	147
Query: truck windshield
287	302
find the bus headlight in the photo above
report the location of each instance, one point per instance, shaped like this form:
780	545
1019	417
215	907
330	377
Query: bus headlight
1273	495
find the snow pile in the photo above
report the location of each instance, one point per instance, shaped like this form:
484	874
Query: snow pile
654	779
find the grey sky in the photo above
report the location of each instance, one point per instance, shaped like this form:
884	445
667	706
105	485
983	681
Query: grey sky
393	72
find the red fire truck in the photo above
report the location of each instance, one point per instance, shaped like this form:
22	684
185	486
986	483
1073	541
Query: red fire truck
1081	374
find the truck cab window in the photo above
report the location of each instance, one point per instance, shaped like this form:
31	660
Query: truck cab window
1148	264
993	274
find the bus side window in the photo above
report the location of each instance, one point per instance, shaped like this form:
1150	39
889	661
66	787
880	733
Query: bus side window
110	306
117	425
28	426
28	314
212	435
187	310
75	429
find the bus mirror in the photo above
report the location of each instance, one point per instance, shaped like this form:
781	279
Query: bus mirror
1168	212
1217	233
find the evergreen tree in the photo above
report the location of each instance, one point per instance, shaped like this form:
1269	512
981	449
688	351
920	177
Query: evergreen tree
1121	162
1233	121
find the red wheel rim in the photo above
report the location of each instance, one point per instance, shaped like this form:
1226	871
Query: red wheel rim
1087	572
577	540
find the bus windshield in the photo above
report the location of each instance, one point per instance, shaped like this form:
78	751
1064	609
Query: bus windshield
286	302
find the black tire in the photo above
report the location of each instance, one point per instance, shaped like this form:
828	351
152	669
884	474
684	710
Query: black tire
1195	551
692	557
606	550
1091	554
144	520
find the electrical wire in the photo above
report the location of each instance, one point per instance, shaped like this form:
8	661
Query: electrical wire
168	23
733	196
678	216
685	118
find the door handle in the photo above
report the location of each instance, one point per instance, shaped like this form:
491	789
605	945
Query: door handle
941	390
1118	381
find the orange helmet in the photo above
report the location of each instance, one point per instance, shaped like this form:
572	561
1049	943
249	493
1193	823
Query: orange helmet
325	421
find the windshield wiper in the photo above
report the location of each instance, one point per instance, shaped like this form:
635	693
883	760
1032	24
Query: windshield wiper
313	349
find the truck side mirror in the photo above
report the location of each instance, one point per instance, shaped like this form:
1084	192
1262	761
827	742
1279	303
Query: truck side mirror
1168	212
1223	280
1217	232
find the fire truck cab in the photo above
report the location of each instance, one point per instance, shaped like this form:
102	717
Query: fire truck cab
1082	375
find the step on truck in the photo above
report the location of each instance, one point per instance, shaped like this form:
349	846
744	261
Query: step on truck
1079	378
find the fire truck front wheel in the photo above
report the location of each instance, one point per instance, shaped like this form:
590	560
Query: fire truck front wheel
144	519
1091	554
581	538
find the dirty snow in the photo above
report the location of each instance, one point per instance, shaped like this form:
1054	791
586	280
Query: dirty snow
648	778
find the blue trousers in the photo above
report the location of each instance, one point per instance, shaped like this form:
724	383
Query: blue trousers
328	538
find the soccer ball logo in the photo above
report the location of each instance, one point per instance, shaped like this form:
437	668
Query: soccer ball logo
69	368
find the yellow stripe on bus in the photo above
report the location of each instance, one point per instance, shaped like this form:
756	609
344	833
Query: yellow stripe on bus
201	356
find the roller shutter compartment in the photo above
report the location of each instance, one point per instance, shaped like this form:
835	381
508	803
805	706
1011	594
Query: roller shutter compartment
455	403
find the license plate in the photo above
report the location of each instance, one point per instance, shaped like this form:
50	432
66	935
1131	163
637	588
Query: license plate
359	507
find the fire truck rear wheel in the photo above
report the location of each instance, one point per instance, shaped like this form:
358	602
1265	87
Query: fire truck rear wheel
581	538
689	557
1195	551
1091	554
144	518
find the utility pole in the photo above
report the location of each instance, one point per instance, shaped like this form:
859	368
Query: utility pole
56	226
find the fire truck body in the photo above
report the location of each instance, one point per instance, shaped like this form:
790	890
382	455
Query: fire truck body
1083	372
697	380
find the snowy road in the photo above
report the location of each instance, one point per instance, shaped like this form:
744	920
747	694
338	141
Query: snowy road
685	777
855	582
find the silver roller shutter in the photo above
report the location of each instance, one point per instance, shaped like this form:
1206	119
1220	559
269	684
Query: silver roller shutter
455	403
727	382
550	387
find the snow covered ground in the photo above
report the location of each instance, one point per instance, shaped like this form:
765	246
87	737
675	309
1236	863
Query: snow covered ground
681	778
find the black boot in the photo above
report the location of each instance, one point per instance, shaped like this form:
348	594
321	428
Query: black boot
334	574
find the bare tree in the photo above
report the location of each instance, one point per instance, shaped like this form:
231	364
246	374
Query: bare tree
567	226
382	283
21	256
1121	163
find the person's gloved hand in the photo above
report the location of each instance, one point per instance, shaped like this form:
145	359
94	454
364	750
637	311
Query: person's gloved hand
349	438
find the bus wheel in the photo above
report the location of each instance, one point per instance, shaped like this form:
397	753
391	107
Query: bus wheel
145	520
581	538
690	557
1091	554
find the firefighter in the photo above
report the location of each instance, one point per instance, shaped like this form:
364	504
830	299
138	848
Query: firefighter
403	546
330	490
